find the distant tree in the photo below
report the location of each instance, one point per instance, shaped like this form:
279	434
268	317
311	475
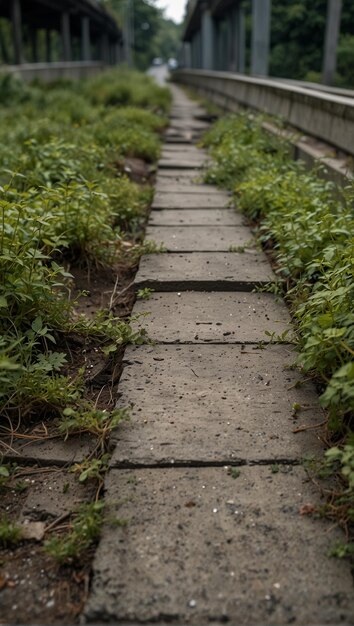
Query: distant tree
297	39
154	36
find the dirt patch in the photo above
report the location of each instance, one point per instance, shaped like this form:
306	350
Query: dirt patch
33	586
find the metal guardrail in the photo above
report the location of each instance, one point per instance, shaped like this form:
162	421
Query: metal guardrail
325	116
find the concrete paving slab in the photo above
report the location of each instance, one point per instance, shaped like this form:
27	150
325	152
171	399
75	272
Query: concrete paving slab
186	112
190	201
199	547
200	271
210	404
195	217
52	451
52	495
193	317
178	149
189	154
190	124
165	185
181	163
178	139
175	135
199	238
180	175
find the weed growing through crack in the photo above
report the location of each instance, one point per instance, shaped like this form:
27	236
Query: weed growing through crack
84	530
144	294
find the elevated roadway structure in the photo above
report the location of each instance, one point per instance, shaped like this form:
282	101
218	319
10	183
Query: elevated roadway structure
81	33
214	36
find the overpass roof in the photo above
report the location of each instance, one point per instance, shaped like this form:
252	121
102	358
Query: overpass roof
46	14
195	10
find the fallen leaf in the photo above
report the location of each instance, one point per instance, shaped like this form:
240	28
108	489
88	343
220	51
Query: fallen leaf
307	509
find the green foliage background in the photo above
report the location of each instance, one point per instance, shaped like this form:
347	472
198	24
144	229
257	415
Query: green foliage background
297	39
155	36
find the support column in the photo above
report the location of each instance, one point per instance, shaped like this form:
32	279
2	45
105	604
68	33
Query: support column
116	53
85	39
241	50
34	45
48	46
187	54
233	43
334	13
217	65
239	40
105	48
193	64
16	20
261	15
66	36
200	50
4	51
207	39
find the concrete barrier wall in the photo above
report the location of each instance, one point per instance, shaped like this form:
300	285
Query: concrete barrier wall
53	71
328	117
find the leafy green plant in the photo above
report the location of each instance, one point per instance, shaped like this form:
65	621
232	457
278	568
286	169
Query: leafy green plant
85	530
63	198
92	469
144	294
10	534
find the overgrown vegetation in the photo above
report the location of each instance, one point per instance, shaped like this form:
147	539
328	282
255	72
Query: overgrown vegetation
64	196
308	228
67	203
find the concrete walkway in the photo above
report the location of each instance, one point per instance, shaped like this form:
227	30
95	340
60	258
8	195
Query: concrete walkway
206	489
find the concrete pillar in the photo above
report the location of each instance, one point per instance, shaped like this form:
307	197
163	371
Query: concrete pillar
200	50
116	53
34	45
48	46
187	54
238	44
66	36
233	40
334	13
85	39
241	49
16	20
193	58
261	16
105	48
207	39
3	47
217	55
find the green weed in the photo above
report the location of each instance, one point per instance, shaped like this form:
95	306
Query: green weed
10	534
144	294
85	530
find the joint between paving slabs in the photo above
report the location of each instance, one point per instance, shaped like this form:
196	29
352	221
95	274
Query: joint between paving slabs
169	464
